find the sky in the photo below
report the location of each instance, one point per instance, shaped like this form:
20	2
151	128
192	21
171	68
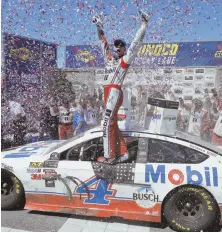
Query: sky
69	22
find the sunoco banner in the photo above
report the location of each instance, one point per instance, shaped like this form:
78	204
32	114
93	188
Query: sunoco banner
84	56
24	59
153	55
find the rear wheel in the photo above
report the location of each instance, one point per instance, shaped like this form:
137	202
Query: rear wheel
190	209
12	192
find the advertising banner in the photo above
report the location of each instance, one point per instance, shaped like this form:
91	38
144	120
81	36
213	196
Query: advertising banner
84	56
24	59
153	55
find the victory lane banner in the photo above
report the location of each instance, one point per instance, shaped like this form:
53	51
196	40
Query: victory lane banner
152	55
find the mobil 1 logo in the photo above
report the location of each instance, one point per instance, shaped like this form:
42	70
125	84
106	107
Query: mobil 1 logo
105	123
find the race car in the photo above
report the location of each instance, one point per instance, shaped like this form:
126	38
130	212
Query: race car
166	179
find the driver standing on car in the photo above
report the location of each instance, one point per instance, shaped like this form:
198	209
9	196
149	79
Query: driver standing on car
115	72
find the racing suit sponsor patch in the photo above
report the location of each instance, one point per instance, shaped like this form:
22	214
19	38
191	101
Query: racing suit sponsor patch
105	123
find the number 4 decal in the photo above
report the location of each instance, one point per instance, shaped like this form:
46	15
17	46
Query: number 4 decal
99	189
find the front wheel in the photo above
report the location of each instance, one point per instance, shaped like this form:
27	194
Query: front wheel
12	192
190	209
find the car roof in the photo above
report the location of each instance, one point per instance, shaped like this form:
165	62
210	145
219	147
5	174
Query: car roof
179	136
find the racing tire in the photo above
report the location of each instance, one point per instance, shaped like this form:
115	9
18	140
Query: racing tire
190	208
12	192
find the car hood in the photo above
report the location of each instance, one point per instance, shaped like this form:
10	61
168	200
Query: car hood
27	151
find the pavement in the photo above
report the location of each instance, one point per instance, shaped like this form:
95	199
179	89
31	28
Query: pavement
33	221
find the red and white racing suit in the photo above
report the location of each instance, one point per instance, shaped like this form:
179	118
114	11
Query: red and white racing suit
115	72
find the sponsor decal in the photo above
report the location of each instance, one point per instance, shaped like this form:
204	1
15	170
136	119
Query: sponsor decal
54	156
50	183
51	176
49	171
36	176
170	118
145	197
177	177
107	116
33	170
51	163
218	53
36	164
5	166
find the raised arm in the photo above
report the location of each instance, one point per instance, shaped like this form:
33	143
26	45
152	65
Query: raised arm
103	40
138	40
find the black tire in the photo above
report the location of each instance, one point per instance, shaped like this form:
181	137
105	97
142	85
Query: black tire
190	208
12	192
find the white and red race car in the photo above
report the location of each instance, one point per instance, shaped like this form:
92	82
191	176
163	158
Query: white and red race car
166	179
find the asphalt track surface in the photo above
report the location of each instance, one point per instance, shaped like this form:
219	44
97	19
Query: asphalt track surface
41	221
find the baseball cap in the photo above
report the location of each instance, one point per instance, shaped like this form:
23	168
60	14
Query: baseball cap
119	42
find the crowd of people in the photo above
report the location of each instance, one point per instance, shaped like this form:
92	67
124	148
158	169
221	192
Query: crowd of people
61	117
203	117
54	118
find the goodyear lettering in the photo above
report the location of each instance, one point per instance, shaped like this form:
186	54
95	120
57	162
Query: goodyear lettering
105	123
158	50
192	176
